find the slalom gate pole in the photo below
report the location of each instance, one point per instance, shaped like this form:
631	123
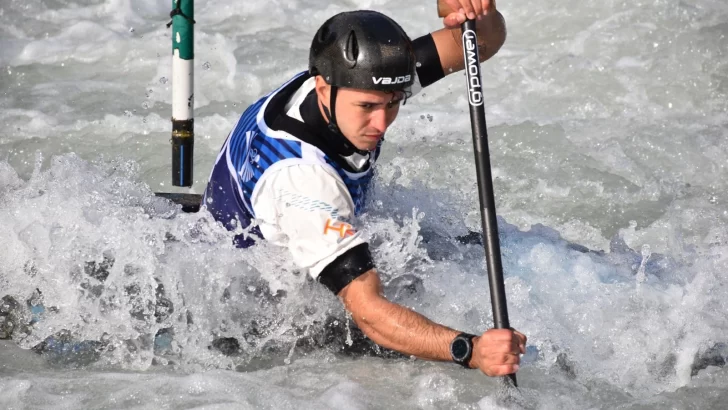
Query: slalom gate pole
183	134
183	102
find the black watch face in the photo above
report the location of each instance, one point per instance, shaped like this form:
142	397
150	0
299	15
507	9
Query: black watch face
460	349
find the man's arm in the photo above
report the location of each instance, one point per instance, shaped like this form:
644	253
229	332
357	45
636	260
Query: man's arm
394	326
304	208
491	29
496	352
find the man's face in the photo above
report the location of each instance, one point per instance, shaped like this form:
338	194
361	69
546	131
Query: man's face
363	116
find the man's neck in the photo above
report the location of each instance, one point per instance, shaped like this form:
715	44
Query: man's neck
312	114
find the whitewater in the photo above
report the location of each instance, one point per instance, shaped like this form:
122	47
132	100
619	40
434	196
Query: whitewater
608	124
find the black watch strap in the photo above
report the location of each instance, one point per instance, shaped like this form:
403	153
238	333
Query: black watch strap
461	349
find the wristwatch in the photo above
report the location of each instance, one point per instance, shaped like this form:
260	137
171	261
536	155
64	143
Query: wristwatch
461	349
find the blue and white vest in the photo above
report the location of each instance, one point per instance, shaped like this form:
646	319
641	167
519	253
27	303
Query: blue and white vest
252	149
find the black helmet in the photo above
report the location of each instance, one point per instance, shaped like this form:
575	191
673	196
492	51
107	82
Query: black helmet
363	49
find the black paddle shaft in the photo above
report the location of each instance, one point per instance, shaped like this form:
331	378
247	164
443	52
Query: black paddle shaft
485	181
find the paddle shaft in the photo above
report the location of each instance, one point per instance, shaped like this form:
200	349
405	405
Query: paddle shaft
485	185
484	177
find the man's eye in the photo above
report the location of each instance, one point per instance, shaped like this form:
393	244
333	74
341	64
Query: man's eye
366	106
393	103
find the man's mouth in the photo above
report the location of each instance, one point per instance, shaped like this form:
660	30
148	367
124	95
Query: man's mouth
373	136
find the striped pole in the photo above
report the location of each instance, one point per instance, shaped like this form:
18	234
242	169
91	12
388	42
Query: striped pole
183	95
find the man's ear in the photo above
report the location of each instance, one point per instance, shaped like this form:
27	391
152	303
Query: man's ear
323	90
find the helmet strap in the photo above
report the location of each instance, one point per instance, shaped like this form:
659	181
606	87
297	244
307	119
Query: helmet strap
331	114
334	127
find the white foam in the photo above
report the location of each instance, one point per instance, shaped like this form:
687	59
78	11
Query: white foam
604	122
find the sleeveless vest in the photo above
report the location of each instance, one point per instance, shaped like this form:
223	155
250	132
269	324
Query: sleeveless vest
252	149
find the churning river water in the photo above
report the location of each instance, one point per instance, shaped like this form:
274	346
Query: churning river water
609	137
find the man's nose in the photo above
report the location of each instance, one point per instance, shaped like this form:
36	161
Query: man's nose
378	120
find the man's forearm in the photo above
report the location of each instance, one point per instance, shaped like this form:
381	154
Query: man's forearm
398	328
496	352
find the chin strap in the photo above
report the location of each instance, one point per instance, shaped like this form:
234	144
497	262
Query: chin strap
334	127
331	115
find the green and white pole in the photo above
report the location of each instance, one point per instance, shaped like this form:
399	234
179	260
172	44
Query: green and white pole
183	101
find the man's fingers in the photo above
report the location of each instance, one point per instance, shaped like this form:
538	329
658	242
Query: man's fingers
502	341
453	20
515	346
467	8
477	7
453	5
499	351
505	358
522	339
507	335
456	8
470	9
500	334
501	370
498	348
519	342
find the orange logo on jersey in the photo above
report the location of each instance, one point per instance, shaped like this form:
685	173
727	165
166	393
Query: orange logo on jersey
343	229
